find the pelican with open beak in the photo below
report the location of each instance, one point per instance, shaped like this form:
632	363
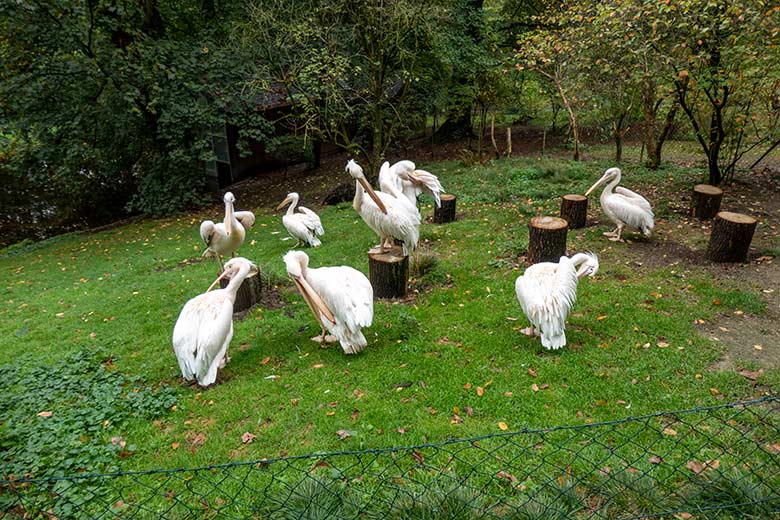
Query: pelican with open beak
623	207
341	299
386	213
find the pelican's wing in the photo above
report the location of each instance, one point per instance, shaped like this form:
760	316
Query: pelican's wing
204	325
347	293
546	296
246	218
402	220
635	199
207	231
426	182
388	177
311	220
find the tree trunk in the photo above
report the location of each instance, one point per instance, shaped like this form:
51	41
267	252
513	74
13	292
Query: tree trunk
546	239
388	272
705	201
574	209
248	294
731	237
446	212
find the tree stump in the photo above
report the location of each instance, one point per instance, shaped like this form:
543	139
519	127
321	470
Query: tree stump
248	293
705	201
731	236
446	212
546	239
574	209
388	272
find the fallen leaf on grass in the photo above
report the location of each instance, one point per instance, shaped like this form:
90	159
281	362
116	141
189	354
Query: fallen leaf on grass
655	459
669	431
532	372
603	316
480	391
511	478
697	467
752	375
47	413
265	360
502	425
247	437
535	387
343	434
683	516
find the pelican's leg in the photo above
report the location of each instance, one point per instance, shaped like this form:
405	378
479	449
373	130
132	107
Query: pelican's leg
324	337
528	331
617	238
610	233
219	261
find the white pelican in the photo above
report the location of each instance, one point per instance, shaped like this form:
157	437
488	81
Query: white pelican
205	325
226	237
389	213
303	226
623	206
547	291
341	299
410	181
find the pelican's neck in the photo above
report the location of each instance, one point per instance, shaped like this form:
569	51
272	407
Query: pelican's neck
229	218
293	204
578	260
357	202
613	183
236	281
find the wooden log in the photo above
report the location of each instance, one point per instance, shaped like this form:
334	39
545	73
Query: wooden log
248	293
574	209
445	213
546	239
388	272
731	236
705	201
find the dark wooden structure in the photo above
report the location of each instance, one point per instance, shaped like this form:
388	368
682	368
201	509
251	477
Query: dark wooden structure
705	201
574	209
248	293
546	239
388	272
731	237
446	212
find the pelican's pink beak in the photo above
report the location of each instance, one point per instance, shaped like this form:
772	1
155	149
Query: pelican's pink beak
222	275
596	185
313	300
284	203
371	193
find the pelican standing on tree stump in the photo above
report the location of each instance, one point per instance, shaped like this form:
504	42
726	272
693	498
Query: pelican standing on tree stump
623	207
410	181
388	213
341	299
205	325
226	237
547	291
303	226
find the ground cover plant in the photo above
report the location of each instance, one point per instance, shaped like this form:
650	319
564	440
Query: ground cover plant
448	362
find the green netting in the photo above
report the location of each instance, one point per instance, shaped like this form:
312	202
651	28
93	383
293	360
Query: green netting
706	462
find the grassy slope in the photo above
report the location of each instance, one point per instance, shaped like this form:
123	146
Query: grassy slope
123	289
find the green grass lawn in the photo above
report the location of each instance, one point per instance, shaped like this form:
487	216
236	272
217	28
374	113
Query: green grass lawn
454	349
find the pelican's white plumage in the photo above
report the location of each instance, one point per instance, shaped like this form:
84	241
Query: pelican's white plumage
304	226
341	299
205	326
547	291
388	213
410	181
226	237
623	206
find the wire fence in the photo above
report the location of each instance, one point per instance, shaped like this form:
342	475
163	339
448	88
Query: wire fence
706	462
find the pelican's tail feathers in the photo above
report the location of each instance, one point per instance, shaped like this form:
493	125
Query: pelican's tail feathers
554	342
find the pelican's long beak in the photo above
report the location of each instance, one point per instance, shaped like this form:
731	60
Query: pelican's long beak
371	193
215	282
253	270
313	300
284	203
598	182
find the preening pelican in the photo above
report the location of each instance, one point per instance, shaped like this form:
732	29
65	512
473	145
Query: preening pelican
205	325
341	299
547	291
389	213
623	206
226	237
410	181
303	226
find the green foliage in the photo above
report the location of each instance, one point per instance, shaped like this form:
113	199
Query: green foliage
67	417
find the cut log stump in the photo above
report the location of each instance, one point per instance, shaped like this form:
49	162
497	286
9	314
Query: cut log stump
731	236
546	239
248	293
574	209
446	212
705	201
388	272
